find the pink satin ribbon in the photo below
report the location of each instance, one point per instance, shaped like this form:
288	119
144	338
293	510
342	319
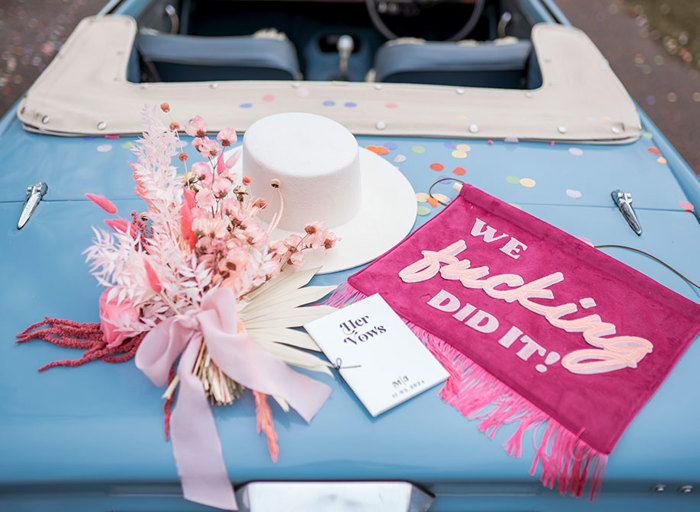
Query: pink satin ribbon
196	445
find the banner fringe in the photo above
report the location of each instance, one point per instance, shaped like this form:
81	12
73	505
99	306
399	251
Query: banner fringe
567	462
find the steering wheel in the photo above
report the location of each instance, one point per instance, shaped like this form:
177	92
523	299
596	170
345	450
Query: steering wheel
461	34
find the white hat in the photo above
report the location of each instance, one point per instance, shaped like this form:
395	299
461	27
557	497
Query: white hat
325	177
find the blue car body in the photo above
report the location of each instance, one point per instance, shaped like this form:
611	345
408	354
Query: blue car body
91	438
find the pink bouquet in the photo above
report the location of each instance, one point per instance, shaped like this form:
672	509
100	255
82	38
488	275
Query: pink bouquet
197	278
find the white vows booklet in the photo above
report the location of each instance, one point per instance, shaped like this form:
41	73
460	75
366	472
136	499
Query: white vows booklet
379	357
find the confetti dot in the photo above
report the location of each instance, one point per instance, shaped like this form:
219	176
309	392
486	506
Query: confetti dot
328	103
423	210
433	202
576	151
379	150
646	135
464	147
391	145
573	193
450	144
350	104
399	158
661	160
513	179
461	117
459	171
696	97
586	241
421	197
527	182
511	140
303	92
490	142
246	105
687	206
459	154
103	148
391	105
671	97
128	145
437	166
268	97
442	197
112	136
654	150
418	149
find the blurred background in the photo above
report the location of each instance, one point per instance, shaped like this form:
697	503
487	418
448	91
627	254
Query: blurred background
652	45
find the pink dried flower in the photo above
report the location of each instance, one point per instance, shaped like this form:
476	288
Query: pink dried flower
196	127
205	198
316	234
182	157
152	277
116	319
174	126
197	143
202	171
210	148
260	203
292	242
165	107
296	259
246	180
227	137
221	187
330	240
102	202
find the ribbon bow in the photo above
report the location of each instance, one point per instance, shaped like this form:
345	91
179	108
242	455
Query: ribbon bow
196	445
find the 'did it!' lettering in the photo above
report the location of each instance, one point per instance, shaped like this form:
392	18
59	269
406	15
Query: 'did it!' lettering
359	330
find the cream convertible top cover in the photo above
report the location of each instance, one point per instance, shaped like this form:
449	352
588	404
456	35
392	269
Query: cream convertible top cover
85	91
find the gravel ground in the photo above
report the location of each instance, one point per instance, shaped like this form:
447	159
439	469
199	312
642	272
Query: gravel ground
653	46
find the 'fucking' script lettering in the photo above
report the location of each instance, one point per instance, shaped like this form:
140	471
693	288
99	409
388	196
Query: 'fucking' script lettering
610	353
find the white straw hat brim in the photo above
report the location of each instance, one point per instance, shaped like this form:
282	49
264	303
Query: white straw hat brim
386	215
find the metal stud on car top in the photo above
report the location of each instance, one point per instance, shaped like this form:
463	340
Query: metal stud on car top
381	125
45	119
659	488
686	489
473	128
459	91
615	129
561	129
213	86
378	87
101	125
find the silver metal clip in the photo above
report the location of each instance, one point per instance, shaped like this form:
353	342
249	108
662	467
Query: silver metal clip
623	200
34	195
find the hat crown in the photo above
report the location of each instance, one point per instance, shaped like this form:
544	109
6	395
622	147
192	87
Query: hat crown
315	160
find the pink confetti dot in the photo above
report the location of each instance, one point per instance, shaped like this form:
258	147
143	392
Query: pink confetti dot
268	97
654	151
687	206
391	105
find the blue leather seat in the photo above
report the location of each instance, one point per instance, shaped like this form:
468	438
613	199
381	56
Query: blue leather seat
494	64
181	58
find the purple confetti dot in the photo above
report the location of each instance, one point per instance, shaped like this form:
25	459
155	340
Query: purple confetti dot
651	100
451	144
328	103
246	105
390	145
350	104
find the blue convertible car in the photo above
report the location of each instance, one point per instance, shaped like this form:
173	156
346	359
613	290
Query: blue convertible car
502	94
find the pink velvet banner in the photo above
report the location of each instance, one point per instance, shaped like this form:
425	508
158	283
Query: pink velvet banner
581	338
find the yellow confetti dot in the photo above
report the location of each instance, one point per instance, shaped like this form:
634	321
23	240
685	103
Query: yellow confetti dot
464	147
421	197
661	160
459	154
527	182
418	149
461	117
